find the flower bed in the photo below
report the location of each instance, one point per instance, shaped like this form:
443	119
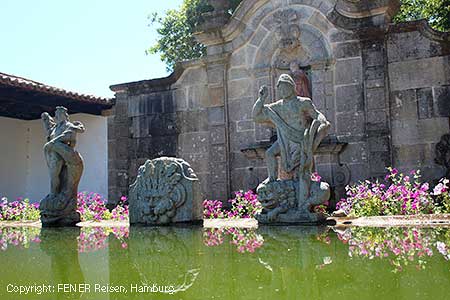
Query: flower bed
91	206
19	210
399	194
243	205
244	208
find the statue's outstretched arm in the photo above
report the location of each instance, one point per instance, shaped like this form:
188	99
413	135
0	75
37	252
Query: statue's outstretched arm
49	123
78	127
258	108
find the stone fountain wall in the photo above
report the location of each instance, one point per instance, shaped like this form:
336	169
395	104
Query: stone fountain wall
384	88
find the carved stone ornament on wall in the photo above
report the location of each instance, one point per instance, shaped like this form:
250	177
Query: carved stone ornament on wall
443	153
163	193
288	33
287	28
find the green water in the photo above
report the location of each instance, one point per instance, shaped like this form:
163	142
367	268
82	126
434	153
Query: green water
192	263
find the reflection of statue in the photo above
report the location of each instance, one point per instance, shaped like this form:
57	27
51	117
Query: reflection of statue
61	245
65	166
300	129
169	250
301	80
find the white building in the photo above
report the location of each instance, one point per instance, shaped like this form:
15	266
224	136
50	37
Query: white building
23	171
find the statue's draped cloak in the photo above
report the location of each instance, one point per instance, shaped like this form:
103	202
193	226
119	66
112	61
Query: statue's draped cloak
286	133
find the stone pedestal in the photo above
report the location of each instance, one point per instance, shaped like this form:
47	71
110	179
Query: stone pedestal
59	210
164	193
280	205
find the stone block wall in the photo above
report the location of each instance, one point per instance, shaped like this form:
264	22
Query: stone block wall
168	118
419	79
384	88
143	126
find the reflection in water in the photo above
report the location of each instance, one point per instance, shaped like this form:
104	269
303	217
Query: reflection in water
90	239
245	240
95	238
401	246
269	263
160	257
65	266
19	237
444	246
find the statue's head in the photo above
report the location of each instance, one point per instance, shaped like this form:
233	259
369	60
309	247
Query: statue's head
61	114
286	87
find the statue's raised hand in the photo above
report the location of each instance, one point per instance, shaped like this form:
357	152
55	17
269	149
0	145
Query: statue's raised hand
78	126
263	93
45	116
48	121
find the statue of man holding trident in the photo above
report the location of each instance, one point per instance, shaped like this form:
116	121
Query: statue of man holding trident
300	129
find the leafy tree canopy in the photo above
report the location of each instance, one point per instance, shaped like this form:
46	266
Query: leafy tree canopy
437	12
176	42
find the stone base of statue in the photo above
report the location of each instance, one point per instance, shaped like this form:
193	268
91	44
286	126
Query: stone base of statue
164	193
280	204
59	210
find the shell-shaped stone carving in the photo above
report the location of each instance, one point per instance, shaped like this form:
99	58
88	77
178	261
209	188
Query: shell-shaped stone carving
163	185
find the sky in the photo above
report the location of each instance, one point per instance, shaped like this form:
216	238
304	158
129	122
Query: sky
82	46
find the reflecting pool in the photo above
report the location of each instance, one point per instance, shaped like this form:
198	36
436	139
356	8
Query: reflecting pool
196	263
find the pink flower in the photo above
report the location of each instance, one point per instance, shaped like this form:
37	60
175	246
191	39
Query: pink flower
315	177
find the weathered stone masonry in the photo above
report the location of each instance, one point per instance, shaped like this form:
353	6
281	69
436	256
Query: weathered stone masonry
384	87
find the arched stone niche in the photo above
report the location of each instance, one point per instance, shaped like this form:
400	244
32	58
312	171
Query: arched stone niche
283	35
295	36
291	38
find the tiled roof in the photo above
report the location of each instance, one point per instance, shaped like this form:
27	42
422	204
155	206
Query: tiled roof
27	84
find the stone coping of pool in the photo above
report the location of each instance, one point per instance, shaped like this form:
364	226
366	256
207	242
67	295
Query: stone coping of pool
235	223
392	221
207	223
80	224
442	220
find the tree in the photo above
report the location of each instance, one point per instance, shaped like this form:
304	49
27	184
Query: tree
176	42
436	12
